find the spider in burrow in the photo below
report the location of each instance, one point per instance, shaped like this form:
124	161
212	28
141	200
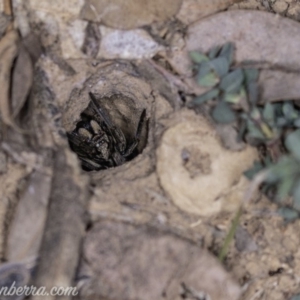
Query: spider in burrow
99	143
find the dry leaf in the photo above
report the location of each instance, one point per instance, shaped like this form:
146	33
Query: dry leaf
27	227
275	44
21	80
129	14
279	85
64	228
122	261
193	10
8	52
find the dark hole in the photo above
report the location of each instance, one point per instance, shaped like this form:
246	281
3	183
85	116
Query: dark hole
111	131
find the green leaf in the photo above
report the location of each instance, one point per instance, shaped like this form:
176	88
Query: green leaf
206	77
198	57
222	113
251	75
232	82
297	122
235	98
296	196
227	52
296	297
252	89
288	214
292	143
269	114
281	122
257	167
208	80
214	52
204	69
255	133
284	188
220	65
286	167
289	111
206	97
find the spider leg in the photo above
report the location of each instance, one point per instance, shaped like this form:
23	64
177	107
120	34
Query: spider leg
140	125
116	133
136	140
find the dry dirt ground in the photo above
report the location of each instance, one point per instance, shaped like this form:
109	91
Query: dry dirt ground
150	228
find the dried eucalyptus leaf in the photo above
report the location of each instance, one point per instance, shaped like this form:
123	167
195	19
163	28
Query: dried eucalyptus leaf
296	196
206	97
227	52
222	113
129	14
269	114
292	143
214	52
21	80
251	75
232	82
220	65
242	131
198	57
288	214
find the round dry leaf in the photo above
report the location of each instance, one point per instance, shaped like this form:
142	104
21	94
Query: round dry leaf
279	85
193	10
122	261
129	14
258	36
198	173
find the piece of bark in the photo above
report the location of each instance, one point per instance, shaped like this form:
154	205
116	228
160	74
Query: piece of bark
65	225
8	52
27	228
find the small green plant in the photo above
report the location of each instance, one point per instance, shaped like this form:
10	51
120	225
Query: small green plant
233	96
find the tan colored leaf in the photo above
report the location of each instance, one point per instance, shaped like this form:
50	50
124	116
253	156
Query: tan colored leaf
275	44
193	10
154	264
129	14
8	52
27	227
21	80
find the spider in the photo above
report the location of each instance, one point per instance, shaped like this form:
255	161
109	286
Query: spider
99	143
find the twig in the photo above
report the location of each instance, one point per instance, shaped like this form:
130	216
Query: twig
255	183
9	12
